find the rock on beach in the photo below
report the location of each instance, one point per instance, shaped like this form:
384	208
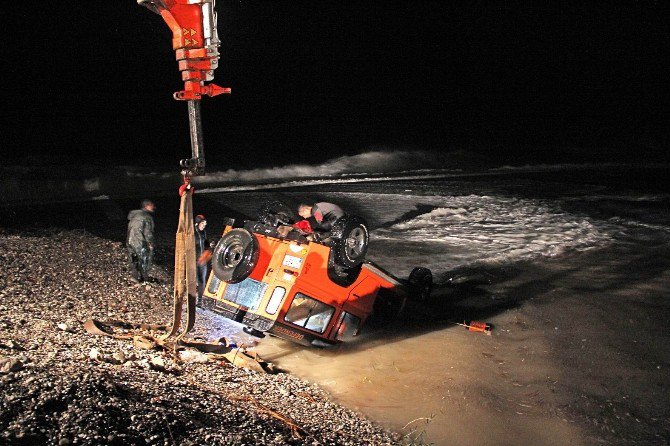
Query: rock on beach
61	386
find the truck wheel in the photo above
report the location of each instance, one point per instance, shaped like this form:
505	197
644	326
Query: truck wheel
235	256
275	213
350	241
421	283
341	275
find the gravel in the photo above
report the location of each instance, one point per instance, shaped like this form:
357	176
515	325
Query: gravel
62	386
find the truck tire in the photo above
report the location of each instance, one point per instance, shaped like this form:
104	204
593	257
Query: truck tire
275	213
350	241
342	275
235	256
420	283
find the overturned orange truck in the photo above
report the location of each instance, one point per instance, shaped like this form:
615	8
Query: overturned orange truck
311	291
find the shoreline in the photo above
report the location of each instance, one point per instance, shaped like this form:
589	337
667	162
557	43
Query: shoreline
577	354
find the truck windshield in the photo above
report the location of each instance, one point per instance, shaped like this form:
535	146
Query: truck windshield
247	293
309	313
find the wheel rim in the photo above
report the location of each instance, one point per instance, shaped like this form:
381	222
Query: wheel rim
235	256
232	255
355	243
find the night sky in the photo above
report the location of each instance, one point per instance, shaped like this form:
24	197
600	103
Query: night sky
92	82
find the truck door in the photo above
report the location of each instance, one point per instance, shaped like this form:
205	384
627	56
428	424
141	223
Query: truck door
362	297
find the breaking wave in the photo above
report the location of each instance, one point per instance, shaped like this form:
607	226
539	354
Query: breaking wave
379	165
473	229
48	183
366	164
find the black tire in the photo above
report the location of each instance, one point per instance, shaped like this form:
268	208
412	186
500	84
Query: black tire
341	275
235	256
350	241
420	283
275	213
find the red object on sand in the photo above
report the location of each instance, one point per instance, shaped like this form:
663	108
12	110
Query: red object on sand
482	327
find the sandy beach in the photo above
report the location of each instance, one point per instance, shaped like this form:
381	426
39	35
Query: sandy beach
63	386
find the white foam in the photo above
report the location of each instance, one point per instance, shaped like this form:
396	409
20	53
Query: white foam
467	230
316	182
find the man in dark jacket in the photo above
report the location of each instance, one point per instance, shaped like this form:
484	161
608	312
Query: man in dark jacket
140	240
321	216
201	245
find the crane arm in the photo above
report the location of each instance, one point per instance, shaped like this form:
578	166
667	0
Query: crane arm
196	44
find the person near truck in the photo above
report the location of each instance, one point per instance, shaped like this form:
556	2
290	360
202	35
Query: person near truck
319	217
140	240
202	254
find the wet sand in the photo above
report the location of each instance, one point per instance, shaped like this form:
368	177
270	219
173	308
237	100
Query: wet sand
578	355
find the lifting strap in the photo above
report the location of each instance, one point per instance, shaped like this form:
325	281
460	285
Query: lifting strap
185	290
185	285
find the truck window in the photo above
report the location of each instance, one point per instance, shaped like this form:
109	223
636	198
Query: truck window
349	327
309	313
275	300
247	293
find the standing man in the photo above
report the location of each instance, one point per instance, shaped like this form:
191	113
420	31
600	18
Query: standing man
321	216
201	247
140	240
